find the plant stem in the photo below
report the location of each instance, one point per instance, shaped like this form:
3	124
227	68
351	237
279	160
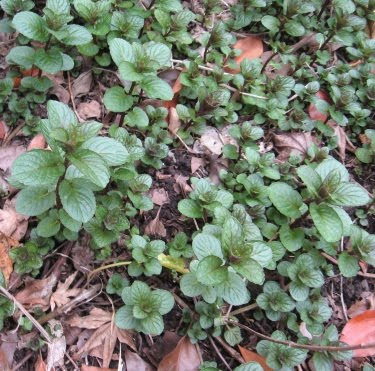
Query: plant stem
323	8
323	45
292	344
206	50
132	86
268	61
102	268
244	309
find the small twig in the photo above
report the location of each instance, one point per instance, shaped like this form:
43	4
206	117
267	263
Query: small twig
196	225
103	267
244	309
243	93
22	361
13	133
292	344
72	362
233	353
219	353
341	286
72	100
269	59
26	313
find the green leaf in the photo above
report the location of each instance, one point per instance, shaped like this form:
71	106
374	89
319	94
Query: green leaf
190	208
68	222
205	245
211	271
37	168
329	165
327	222
76	35
251	270
270	22
299	291
116	100
349	194
153	324
137	118
77	199
156	88
233	336
348	265
292	239
310	177
166	299
111	150
249	366
363	154
31	25
159	53
124	318
50	61
22	56
91	165
233	290
121	51
290	203
128	71
322	361
48	226
60	115
34	201
294	28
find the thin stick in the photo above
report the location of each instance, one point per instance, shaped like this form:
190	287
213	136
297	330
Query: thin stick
244	309
27	314
341	286
22	362
72	100
219	353
292	344
13	133
243	93
234	354
103	267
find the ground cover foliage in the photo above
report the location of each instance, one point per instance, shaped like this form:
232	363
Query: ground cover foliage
187	185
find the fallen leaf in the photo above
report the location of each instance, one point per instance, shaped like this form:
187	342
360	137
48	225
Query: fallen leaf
63	294
210	140
364	139
174	122
61	93
89	110
94	320
37	142
56	353
3	130
184	357
9	343
182	184
367	302
196	163
292	144
37	292
176	88
159	196
134	362
94	368
360	330
156	227
8	154
82	84
6	263
12	224
40	365
4	364
314	114
82	258
343	141
251	47
250	356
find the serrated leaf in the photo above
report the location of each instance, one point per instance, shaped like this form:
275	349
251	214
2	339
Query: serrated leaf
251	270
290	203
348	265
116	100
48	227
77	199
156	88
210	270
166	300
329	165
233	336
294	28
190	208
349	194
76	35
22	56
37	168
111	150
310	177
68	222
124	318
121	51
292	239
91	165
205	245
60	115
233	290
153	324
159	53
49	61
298	291
34	201
137	118
327	222
31	25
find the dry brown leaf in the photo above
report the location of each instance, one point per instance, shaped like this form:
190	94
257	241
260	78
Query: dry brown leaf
343	141
196	163
12	224
367	302
250	356
61	93
360	330
82	258
313	111
176	88
56	352
6	263
292	144
63	294
37	292
182	184
174	121
94	368
134	362
3	130
159	196
184	357
82	84
9	344
156	227
94	320
251	47
8	154
4	364
37	142
89	110
40	365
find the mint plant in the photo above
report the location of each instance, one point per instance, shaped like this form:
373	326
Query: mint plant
144	308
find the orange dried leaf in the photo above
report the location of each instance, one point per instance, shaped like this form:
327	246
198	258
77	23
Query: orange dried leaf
3	130
6	263
40	365
37	142
360	330
94	368
251	46
313	111
250	356
184	357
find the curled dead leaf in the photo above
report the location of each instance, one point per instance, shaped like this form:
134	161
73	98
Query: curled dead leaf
37	142
343	141
82	84
367	302
63	294
8	154
89	110
292	144
94	368
314	114
12	224
134	362
174	121
250	356
156	227
3	130
184	357
6	263
251	47
94	320
196	163
159	196
360	330
56	353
